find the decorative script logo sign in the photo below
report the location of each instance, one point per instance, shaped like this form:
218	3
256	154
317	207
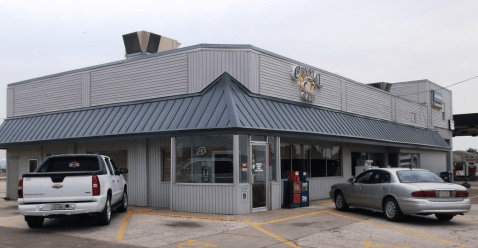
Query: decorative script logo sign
308	81
201	151
74	164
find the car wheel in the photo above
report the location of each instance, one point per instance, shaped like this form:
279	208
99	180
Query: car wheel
34	221
124	203
392	210
444	217
105	215
340	203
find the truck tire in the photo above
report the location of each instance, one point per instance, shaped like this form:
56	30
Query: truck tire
124	203
34	221
105	215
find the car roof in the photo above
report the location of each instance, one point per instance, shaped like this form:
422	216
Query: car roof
398	169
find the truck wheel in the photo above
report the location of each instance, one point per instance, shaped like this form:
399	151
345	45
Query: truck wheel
34	221
105	215
124	203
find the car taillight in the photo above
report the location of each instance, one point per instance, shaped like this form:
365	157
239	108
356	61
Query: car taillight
20	188
424	194
95	183
461	194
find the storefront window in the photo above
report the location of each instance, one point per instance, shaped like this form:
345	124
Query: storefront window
166	164
243	158
204	159
409	159
316	160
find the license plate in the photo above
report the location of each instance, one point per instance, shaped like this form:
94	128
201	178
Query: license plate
57	207
443	193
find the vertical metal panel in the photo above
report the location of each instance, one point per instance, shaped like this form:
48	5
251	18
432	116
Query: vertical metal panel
10	107
275	195
320	187
409	91
140	79
404	112
436	114
85	89
344	94
394	109
206	65
368	101
198	198
57	93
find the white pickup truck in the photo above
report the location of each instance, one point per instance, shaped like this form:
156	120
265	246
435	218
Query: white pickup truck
66	185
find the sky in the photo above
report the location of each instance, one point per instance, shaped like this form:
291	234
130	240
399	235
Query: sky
367	41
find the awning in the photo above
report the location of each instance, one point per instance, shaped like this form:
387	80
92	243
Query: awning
225	105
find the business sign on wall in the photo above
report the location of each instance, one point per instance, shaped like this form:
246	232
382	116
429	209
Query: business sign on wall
308	81
437	99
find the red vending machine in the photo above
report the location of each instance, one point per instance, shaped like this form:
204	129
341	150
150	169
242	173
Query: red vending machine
296	188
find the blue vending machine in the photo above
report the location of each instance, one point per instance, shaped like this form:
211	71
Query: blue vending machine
304	195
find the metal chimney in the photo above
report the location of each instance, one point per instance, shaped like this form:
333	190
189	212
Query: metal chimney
142	42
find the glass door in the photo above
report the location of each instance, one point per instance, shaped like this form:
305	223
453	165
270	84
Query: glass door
259	175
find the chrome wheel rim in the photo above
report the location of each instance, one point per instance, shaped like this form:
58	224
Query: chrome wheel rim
108	209
390	209
125	197
339	201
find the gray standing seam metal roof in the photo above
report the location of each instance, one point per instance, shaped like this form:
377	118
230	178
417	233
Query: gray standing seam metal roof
225	104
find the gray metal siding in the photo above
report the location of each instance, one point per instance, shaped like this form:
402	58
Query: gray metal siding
407	91
404	110
85	90
10	102
275	78
53	94
206	65
275	195
368	101
158	191
243	207
211	199
141	79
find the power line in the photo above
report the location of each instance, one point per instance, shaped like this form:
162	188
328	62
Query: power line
441	87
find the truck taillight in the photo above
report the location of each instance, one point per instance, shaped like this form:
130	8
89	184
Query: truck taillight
424	194
461	194
20	188
95	183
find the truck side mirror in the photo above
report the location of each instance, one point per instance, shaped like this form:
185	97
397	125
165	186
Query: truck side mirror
123	171
351	180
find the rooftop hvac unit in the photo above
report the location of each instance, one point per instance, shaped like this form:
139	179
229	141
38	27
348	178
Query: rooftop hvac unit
142	42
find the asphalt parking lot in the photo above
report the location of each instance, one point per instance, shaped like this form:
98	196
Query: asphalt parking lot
316	226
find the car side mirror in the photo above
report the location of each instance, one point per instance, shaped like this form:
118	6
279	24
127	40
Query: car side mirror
123	171
351	180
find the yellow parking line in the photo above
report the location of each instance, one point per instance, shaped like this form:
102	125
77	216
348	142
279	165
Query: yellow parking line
325	203
13	222
473	197
256	226
465	219
2	202
290	218
187	217
398	229
123	227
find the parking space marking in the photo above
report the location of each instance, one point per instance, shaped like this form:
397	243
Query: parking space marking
399	230
13	222
195	244
473	197
368	244
125	224
465	219
256	226
291	218
2	202
325	203
187	217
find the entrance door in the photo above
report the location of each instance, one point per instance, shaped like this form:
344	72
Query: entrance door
259	174
13	177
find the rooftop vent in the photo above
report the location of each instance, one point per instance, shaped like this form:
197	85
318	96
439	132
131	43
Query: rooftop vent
142	42
382	85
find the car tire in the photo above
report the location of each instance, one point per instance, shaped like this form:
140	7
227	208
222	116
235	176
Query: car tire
124	203
34	221
391	210
340	202
105	215
444	217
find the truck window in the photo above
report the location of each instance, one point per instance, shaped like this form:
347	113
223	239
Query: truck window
110	167
70	164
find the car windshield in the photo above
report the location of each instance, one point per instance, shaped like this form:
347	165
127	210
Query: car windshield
67	164
415	176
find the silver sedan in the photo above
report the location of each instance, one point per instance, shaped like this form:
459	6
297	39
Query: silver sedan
399	191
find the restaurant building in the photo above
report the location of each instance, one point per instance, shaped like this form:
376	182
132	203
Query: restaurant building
217	128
